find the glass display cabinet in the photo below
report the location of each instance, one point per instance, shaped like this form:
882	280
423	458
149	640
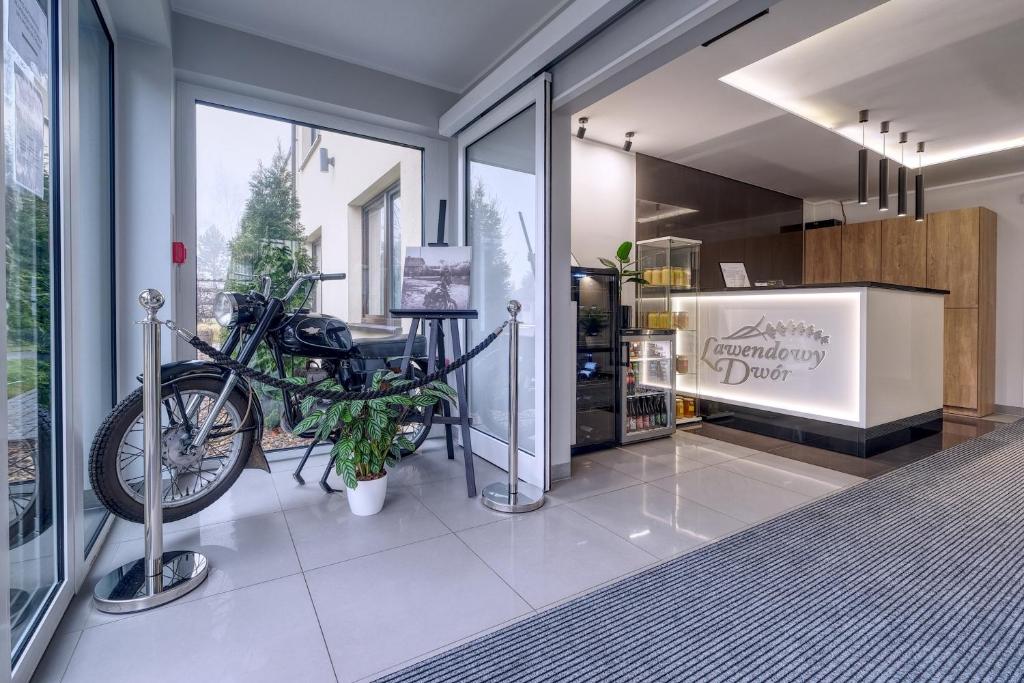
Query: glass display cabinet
671	268
647	391
595	293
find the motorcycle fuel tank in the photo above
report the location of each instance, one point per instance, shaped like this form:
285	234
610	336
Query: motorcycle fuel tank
316	335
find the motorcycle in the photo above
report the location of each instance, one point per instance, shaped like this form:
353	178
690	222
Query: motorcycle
212	422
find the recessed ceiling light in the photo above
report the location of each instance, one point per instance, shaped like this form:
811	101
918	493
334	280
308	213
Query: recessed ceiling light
814	77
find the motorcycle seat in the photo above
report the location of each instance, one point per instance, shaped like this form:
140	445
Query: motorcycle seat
391	347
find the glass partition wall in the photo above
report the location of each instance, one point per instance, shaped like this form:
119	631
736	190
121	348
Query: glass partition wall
32	255
59	289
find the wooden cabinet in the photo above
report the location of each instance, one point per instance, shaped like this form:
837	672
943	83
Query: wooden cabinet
961	253
862	252
823	255
954	258
904	254
954	250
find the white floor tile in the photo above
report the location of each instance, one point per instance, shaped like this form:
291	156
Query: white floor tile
448	500
55	660
793	475
387	608
588	479
732	494
644	467
657	521
328	532
262	633
430	463
552	554
253	493
292	494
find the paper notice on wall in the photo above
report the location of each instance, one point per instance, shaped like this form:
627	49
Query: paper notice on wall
27	34
735	275
29	135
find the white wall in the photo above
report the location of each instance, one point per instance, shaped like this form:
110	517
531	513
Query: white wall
332	203
145	188
217	56
1005	196
603	202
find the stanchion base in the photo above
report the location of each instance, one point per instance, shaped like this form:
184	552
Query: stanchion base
496	497
124	589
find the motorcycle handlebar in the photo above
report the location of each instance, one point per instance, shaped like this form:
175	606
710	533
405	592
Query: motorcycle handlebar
314	277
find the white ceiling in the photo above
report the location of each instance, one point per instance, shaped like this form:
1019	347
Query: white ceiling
445	43
955	84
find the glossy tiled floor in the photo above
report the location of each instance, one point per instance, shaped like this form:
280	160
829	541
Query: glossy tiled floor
301	590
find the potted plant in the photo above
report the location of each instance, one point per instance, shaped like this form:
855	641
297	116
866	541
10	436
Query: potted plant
627	268
367	434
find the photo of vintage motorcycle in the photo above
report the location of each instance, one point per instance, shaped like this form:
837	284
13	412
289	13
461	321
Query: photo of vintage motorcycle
211	420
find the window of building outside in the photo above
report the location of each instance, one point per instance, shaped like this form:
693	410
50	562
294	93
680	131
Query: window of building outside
382	252
315	249
266	206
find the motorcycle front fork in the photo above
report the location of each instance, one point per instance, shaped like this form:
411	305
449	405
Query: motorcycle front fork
204	429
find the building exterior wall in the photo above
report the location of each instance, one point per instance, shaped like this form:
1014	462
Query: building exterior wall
331	204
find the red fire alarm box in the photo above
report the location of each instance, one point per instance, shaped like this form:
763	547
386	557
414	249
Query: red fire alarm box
178	253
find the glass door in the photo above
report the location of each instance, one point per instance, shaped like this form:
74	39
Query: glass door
503	172
36	542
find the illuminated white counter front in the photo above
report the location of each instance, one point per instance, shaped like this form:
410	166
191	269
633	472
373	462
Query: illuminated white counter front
835	365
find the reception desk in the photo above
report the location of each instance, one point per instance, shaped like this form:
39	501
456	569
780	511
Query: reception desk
854	368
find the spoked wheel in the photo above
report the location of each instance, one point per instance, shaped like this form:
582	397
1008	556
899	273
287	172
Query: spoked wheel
415	430
192	479
22	494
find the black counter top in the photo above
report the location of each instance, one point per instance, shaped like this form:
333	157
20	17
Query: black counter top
829	285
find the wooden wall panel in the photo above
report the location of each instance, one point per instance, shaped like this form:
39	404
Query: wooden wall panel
986	312
960	359
823	255
862	252
953	255
904	257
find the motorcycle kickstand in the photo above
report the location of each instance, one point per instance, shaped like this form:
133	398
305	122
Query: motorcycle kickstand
297	474
327	472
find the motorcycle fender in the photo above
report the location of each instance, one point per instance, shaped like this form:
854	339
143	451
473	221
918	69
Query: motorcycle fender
188	368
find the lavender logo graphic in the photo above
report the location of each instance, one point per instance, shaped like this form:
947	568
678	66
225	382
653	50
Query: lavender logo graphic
766	351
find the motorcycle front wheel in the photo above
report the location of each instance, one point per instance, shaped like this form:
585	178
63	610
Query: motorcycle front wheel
191	480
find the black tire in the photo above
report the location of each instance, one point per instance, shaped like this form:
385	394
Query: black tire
103	456
30	506
421	435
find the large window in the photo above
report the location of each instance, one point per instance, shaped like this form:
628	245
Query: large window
382	255
91	297
279	198
33	336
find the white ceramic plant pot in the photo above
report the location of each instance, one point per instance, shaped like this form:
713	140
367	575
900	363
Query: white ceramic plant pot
368	497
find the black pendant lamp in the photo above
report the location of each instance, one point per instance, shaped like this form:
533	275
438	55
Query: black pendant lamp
862	162
883	173
901	181
919	186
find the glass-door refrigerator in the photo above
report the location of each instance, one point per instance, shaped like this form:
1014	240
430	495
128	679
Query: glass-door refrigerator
595	293
647	387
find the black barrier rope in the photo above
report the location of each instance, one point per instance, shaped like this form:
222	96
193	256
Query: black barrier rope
227	361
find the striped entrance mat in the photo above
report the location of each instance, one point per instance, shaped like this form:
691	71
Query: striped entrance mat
916	575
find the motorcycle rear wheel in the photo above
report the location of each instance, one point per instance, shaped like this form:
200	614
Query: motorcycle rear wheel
115	459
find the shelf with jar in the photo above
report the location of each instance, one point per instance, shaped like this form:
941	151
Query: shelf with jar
668	300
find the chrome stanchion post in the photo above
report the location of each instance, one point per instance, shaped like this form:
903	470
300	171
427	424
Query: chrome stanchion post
508	497
158	577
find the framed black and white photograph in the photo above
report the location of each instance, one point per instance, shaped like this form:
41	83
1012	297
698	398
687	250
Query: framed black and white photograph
436	278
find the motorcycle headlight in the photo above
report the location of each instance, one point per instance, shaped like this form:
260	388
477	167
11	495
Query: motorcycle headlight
225	309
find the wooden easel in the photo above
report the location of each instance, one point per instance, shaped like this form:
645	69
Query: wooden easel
432	323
